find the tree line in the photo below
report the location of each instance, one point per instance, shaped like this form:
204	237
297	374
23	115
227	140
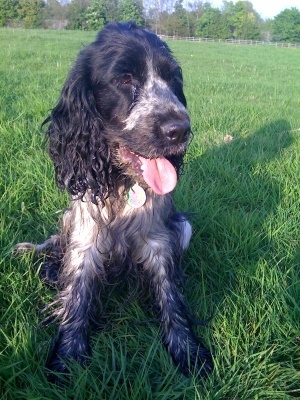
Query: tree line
236	20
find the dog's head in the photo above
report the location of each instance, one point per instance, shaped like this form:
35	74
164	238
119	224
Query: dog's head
122	112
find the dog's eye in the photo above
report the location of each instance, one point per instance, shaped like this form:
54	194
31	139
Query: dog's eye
126	79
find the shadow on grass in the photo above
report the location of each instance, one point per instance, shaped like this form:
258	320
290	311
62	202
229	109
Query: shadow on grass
235	191
231	191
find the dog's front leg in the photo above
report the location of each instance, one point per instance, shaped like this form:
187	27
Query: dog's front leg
79	280
74	311
185	348
76	303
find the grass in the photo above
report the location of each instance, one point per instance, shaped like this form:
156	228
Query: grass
243	263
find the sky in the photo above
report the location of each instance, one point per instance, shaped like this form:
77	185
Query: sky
266	8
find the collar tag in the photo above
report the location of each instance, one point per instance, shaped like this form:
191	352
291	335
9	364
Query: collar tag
136	196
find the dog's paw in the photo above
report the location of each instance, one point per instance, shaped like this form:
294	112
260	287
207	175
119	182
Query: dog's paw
56	364
56	370
67	347
200	363
49	272
191	357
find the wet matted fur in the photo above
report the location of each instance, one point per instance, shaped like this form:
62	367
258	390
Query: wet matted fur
117	138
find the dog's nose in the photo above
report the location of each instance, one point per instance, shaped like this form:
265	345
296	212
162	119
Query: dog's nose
176	132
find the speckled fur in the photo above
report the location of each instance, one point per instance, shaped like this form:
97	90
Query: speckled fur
123	88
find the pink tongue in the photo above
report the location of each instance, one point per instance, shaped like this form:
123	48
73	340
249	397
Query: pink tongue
159	174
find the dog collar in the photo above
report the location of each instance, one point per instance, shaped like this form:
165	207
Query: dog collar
136	196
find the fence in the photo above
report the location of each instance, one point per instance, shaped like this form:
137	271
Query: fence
232	41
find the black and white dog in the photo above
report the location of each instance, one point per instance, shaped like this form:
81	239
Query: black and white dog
117	138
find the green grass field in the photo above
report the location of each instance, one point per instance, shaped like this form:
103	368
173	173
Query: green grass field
243	264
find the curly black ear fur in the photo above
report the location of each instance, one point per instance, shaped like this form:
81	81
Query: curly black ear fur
77	146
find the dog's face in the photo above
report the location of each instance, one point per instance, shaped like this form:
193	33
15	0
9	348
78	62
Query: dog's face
139	91
122	113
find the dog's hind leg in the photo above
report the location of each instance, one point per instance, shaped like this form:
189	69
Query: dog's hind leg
52	251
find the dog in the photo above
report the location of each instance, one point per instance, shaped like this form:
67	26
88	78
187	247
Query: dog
117	138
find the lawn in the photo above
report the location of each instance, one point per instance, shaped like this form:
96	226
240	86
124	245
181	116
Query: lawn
241	183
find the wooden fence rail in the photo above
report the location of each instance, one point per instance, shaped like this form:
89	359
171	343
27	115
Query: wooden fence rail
232	41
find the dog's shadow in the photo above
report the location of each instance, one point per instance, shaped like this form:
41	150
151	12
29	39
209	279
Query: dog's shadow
232	193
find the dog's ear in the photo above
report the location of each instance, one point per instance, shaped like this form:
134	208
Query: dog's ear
77	145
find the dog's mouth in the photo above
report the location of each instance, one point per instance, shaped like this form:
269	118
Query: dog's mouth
159	174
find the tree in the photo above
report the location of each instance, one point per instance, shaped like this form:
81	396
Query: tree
8	11
31	13
95	15
196	8
131	10
209	23
241	20
111	9
76	14
195	11
54	14
286	26
179	22
266	30
158	14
